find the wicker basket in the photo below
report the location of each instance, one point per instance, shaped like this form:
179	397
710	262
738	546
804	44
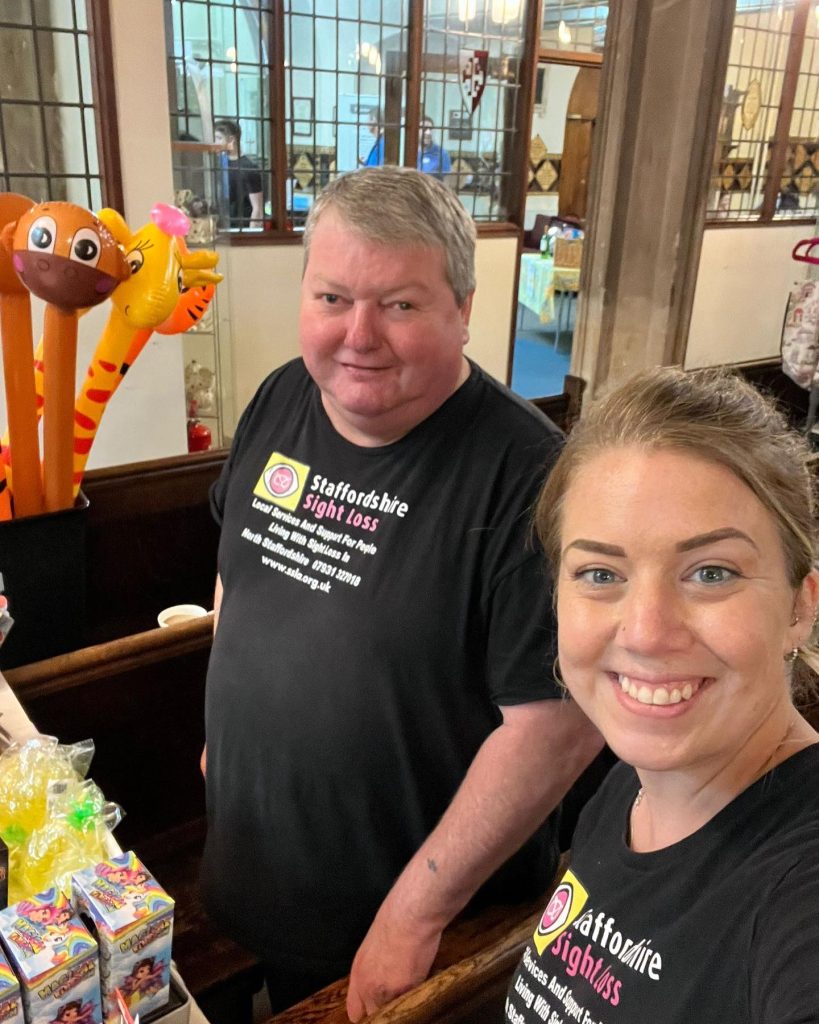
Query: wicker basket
568	252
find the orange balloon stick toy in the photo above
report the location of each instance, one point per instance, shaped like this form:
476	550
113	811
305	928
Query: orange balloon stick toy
161	269
191	307
5	493
21	405
67	257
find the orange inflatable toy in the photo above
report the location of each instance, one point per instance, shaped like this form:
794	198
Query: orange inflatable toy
190	308
21	402
67	257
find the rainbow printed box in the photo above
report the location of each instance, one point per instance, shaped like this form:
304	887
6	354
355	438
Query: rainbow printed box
55	959
134	921
10	1006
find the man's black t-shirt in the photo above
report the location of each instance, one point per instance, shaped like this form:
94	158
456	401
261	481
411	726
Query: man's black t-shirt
378	604
244	180
720	928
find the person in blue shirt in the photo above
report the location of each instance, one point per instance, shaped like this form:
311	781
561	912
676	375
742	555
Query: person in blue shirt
375	158
432	158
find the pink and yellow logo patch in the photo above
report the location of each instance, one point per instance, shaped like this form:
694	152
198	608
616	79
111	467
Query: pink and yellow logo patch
282	481
567	901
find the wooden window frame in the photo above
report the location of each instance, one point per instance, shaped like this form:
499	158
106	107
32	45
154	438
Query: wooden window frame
779	145
105	102
514	157
109	167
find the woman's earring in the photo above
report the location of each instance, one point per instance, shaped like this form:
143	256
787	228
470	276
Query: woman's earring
792	655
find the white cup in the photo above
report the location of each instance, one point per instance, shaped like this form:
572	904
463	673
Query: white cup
178	614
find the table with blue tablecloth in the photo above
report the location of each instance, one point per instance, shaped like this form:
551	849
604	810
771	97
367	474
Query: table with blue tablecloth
540	279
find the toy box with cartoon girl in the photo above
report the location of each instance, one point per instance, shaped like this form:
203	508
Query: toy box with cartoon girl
55	958
133	916
10	1006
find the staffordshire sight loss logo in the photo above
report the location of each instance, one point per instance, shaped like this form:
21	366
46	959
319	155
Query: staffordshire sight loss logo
567	901
282	481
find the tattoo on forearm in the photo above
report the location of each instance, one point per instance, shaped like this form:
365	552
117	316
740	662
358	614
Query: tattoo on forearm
433	867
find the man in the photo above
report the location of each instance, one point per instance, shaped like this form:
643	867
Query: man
243	184
375	157
432	158
382	724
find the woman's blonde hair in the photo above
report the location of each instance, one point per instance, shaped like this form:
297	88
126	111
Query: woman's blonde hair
716	416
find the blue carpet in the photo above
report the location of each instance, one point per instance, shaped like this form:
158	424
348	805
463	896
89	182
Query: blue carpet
537	369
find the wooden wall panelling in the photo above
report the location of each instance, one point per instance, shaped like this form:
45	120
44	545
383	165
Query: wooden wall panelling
151	541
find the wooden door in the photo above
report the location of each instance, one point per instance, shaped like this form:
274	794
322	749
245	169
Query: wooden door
577	143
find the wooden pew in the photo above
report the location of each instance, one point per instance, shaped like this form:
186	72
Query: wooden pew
564	409
468	981
151	542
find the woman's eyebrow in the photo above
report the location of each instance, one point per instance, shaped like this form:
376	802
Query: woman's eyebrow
726	533
597	547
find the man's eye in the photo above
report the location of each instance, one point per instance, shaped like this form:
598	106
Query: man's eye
404	306
711	574
330	299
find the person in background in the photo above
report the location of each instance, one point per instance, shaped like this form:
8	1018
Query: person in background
375	157
787	198
384	736
432	158
245	196
680	525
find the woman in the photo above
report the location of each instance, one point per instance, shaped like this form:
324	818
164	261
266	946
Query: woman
679	522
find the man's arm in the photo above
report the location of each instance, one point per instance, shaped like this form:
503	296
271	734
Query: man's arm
256	209
217	604
518	776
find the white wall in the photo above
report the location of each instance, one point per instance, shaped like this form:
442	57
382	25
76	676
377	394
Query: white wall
492	310
147	417
742	286
263	290
549	122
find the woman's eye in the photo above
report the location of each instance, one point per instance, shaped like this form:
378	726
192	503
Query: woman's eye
330	299
597	577
711	574
404	306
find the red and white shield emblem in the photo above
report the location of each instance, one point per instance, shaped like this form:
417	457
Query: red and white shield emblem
474	68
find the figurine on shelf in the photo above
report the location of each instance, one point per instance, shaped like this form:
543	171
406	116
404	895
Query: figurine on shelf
199	436
199	387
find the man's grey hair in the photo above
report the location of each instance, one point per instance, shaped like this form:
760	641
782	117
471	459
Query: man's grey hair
400	206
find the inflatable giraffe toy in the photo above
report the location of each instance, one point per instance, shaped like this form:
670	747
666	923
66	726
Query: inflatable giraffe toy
163	270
